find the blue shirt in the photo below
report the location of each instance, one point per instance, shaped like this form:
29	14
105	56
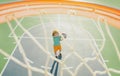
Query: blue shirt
56	40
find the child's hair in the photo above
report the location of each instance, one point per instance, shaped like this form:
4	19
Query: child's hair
54	32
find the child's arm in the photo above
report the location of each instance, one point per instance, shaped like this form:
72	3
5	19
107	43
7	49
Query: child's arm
61	37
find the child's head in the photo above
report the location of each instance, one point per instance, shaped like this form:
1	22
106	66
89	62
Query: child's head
55	33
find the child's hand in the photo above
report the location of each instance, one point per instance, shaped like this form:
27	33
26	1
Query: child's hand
64	35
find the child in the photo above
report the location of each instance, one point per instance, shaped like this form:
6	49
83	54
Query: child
57	49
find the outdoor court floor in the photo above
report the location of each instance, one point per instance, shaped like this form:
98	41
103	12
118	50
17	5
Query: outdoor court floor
85	38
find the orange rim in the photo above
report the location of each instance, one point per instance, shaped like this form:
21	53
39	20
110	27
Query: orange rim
111	14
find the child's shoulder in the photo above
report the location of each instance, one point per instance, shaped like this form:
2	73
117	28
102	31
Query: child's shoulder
57	36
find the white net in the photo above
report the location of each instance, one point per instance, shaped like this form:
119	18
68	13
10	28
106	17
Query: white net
82	51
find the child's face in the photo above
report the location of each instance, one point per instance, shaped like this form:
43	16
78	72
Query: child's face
56	34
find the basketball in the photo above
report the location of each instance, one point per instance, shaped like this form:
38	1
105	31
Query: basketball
64	35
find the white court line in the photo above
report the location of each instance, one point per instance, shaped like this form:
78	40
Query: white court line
52	22
98	25
10	35
36	37
67	68
10	55
97	49
112	39
102	33
85	39
99	28
108	31
36	41
44	67
14	51
29	60
8	60
66	39
106	61
46	43
59	21
88	67
20	47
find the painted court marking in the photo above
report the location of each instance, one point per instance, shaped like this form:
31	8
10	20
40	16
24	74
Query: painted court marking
42	66
8	59
10	35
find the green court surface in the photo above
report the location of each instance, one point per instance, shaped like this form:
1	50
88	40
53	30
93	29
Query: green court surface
105	36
